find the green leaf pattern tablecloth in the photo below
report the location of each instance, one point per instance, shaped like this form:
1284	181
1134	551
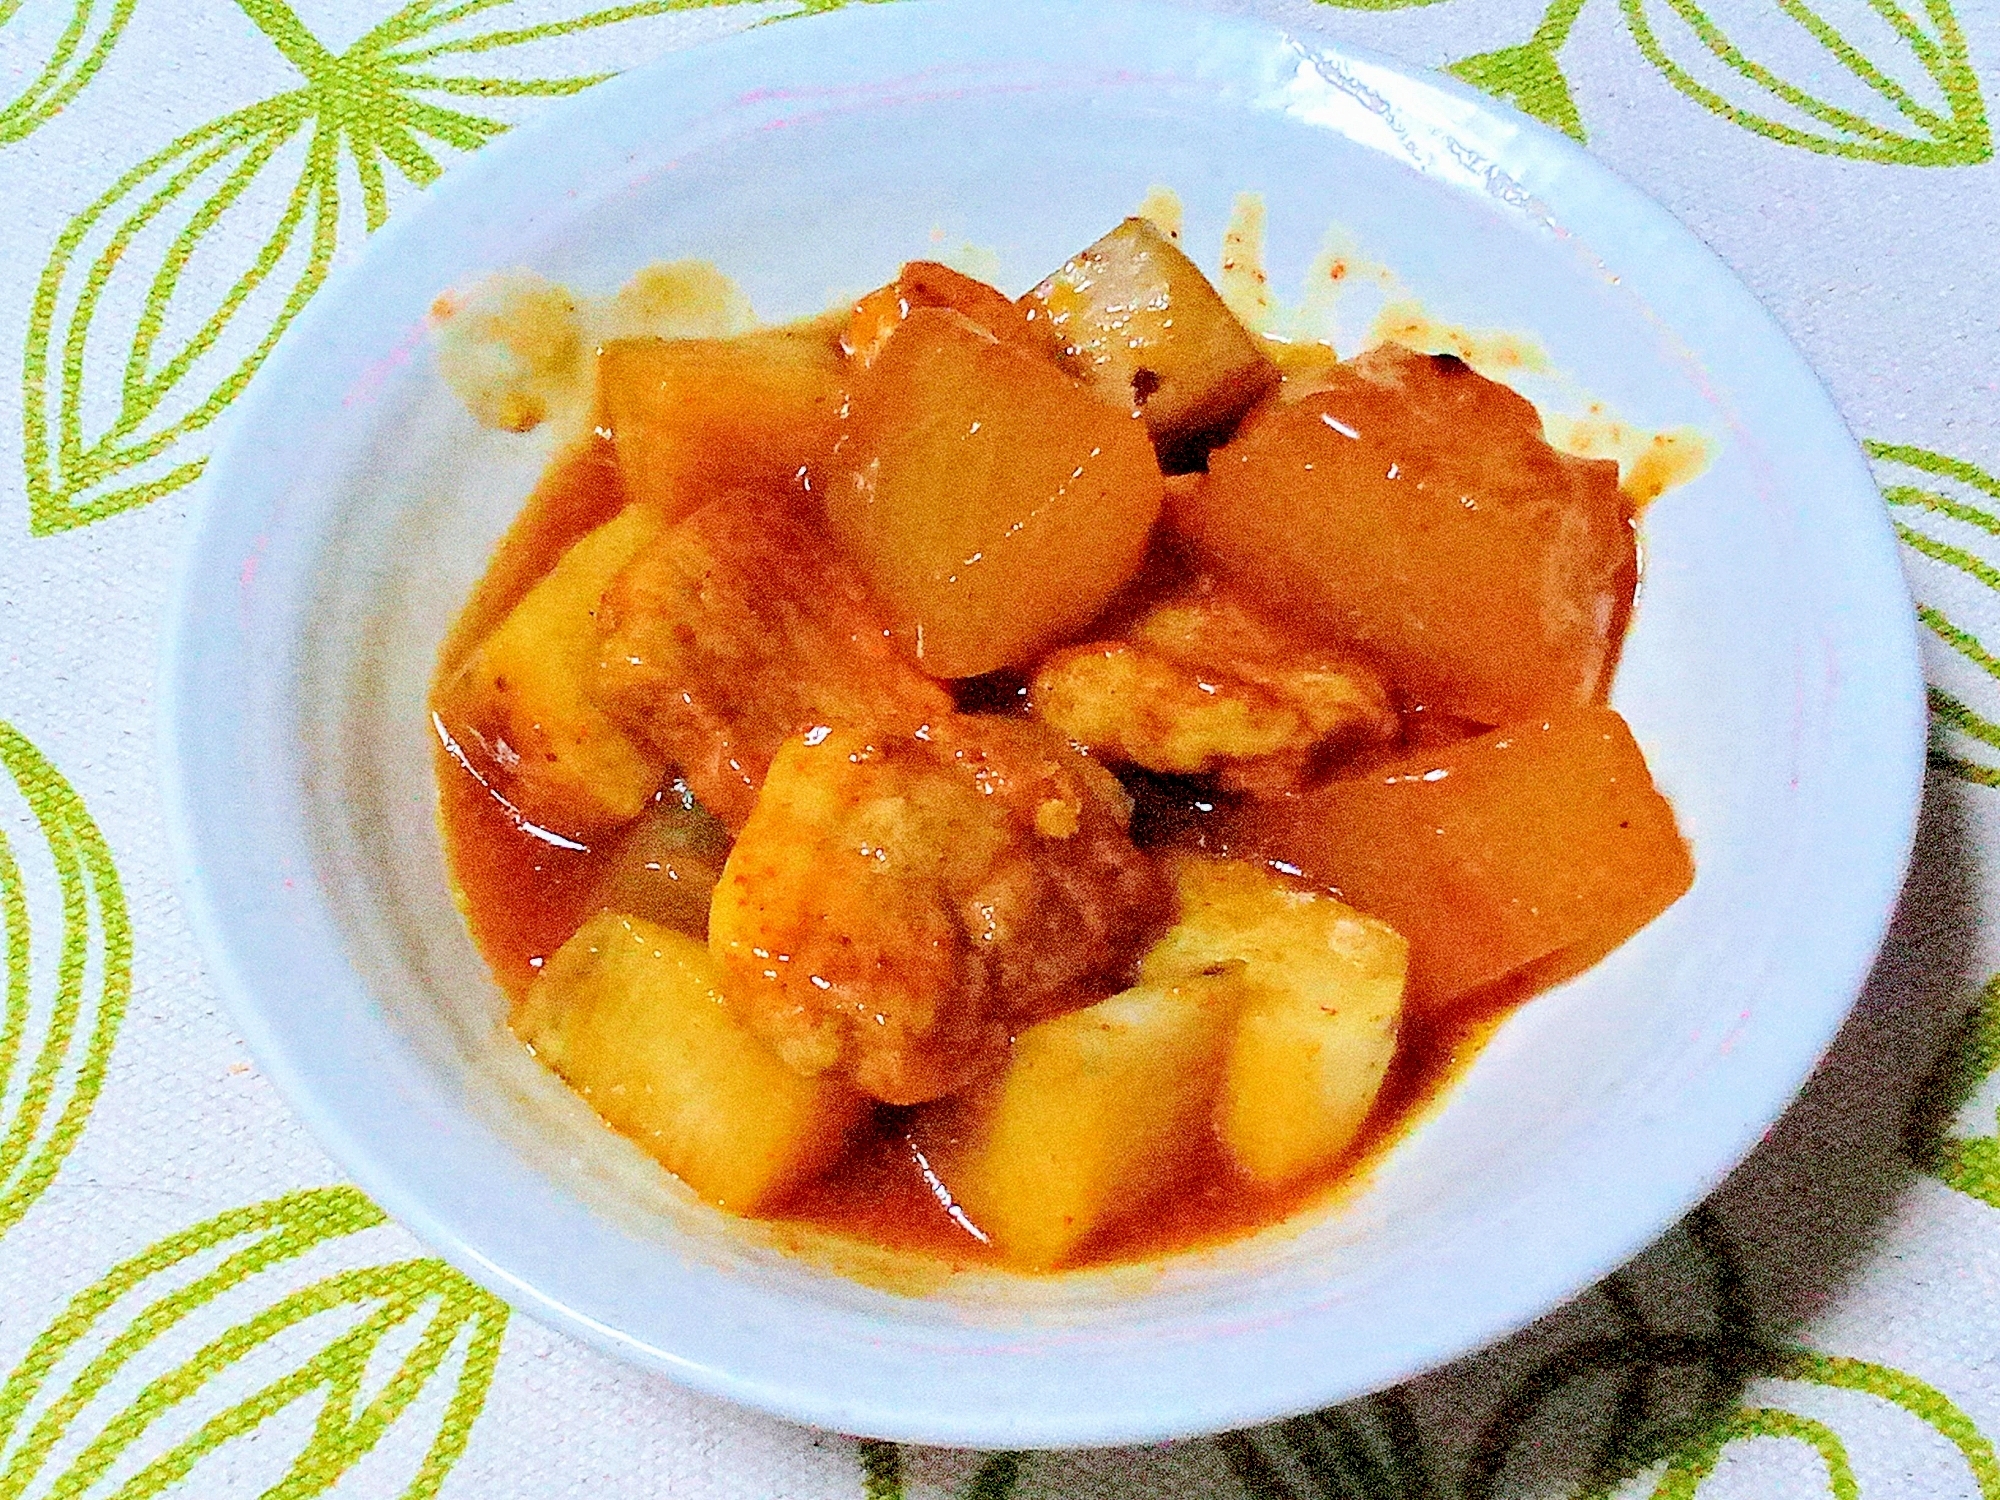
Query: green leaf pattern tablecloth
192	1304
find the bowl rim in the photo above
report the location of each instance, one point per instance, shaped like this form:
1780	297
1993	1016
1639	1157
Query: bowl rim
814	1380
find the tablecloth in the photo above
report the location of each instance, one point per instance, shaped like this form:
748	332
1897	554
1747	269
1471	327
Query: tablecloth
192	1303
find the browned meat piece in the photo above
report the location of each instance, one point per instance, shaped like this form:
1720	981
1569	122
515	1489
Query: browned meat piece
897	905
737	629
1200	684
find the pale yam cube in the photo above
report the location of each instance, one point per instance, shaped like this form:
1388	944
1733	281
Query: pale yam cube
628	1014
524	696
1098	1112
691	418
1143	327
1317	1030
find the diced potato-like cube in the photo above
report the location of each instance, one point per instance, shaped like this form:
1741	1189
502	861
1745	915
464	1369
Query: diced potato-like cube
628	1013
1098	1112
693	417
524	693
1324	988
1145	329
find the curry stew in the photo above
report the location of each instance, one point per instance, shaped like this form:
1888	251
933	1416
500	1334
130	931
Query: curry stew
1030	781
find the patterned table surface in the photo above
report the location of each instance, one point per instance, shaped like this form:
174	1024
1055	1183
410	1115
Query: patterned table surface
191	1304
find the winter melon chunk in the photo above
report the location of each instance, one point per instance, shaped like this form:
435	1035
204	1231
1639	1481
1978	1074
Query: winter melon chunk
1531	851
992	503
1323	989
693	418
628	1013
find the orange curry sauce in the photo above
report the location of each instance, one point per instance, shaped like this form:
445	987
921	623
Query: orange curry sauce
523	895
1508	857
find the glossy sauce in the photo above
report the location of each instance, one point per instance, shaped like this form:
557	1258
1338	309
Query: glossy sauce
524	897
525	891
886	1193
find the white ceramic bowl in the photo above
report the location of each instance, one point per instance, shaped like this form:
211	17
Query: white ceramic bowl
1771	676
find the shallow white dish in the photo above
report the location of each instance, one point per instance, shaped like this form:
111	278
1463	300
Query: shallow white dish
1771	675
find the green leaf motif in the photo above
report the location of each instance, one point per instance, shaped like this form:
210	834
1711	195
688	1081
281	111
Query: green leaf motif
1887	85
1644	1399
53	1053
882	1475
354	1350
1581	1420
165	295
881	1469
82	41
168	205
1529	76
1948	516
1685	1472
995	1477
1971	1058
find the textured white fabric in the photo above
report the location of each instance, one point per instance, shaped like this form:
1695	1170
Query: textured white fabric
1851	1270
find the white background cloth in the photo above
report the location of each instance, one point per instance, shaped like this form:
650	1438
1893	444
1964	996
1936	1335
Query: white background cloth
1851	1271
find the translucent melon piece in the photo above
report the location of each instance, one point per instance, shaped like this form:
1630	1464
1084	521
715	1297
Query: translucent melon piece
690	418
993	504
1409	507
1545	844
